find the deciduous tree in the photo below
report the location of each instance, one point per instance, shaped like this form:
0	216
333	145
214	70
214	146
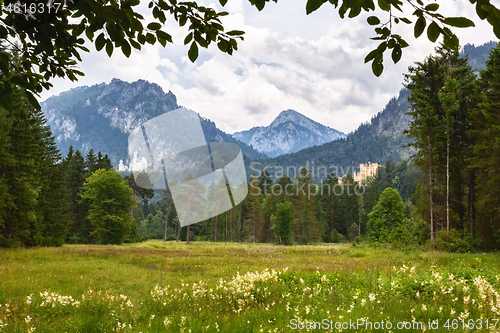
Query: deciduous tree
109	212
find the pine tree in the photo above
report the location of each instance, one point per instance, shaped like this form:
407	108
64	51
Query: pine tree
50	204
350	200
80	228
306	226
486	157
254	203
104	162
24	224
424	82
32	210
91	163
282	222
331	206
7	162
442	96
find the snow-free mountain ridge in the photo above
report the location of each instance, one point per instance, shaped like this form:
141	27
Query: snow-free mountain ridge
102	116
290	132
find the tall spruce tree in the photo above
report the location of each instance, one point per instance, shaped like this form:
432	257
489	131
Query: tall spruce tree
80	229
254	204
31	212
50	204
306	222
331	206
7	162
350	205
486	150
442	96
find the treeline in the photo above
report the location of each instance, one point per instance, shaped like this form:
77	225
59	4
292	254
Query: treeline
456	131
290	211
43	198
448	194
31	200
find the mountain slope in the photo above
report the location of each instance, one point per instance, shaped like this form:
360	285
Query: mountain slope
102	116
380	140
288	133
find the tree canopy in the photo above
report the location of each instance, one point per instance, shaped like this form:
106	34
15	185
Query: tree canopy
48	37
109	196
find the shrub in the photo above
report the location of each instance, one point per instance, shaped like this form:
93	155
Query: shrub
454	241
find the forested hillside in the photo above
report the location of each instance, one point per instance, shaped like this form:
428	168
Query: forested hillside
444	197
380	140
101	117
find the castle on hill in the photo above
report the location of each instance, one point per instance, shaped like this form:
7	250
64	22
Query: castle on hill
365	170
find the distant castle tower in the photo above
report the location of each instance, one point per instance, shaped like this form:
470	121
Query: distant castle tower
366	170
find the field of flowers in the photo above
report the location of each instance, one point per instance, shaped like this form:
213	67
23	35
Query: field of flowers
156	287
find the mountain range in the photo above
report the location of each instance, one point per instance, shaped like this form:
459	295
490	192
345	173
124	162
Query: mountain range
102	116
380	140
288	133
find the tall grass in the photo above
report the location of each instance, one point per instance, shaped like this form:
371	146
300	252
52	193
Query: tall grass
206	287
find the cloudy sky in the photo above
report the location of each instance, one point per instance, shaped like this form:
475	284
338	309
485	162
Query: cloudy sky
312	64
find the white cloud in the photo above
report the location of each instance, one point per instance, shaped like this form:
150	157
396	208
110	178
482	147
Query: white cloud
313	64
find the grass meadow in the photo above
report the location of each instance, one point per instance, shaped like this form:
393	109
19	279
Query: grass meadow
206	287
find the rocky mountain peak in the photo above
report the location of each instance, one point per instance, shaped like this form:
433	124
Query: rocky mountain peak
289	132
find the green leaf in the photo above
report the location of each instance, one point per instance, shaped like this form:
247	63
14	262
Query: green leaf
109	48
354	12
193	52
100	42
154	26
150	38
188	38
432	7
433	31
182	21
403	43
377	67
34	103
163	35
313	5
405	20
3	32
373	20
4	63
368	5
200	40
480	11
135	44
223	2
370	56
459	22
384	5
451	41
222	45
259	4
419	26
496	30
235	33
382	47
396	54
126	48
